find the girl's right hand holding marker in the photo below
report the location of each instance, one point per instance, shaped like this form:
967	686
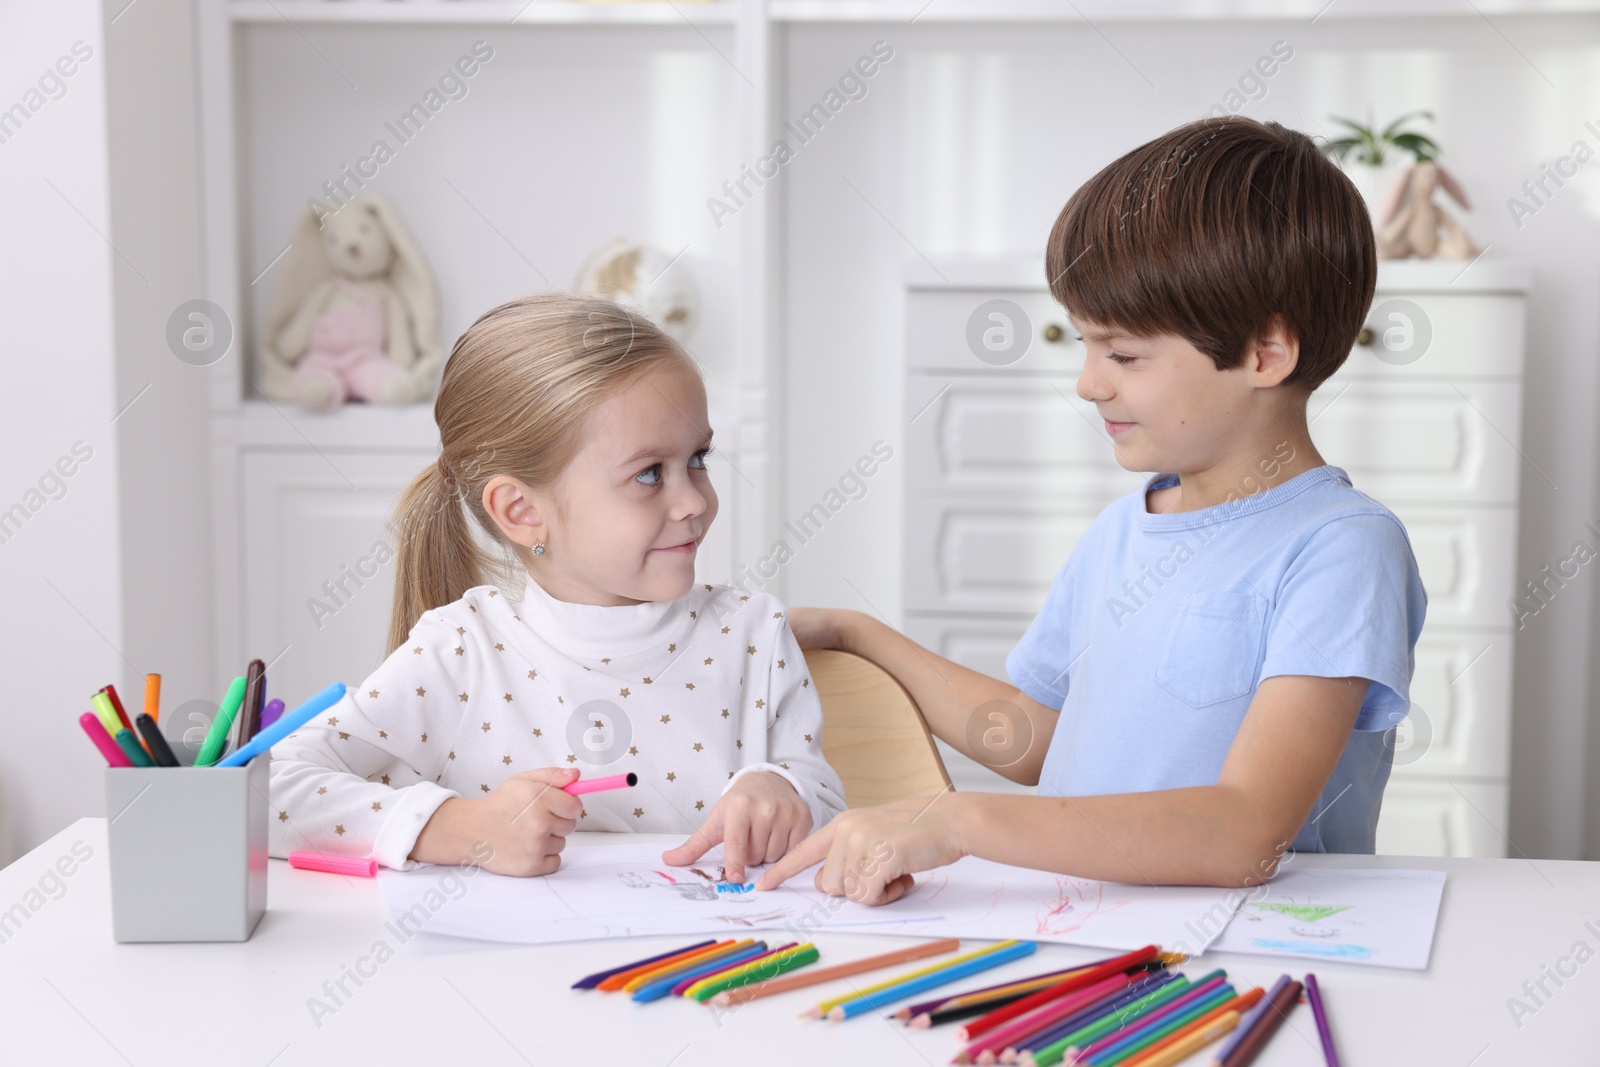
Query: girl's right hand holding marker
524	822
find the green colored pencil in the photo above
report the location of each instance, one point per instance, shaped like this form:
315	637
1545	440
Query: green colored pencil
760	973
1221	995
1052	1053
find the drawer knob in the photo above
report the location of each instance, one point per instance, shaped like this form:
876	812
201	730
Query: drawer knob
1364	338
1053	333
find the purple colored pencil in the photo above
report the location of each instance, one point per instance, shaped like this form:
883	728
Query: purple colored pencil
1098	1010
1314	995
1250	1019
595	979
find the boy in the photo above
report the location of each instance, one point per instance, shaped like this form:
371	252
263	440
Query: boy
1216	671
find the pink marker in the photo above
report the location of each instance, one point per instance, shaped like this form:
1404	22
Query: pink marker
595	785
361	867
97	733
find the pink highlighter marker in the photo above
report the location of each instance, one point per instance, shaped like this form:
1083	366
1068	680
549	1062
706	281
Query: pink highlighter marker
97	733
595	785
360	866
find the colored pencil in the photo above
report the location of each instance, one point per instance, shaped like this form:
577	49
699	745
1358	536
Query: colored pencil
965	1006
800	956
152	696
1278	1010
1009	951
590	981
1314	995
616	979
1188	1045
1249	1021
727	967
1021	985
1052	1052
841	970
711	955
1209	1010
822	1009
664	985
1200	990
1106	1014
1061	989
96	730
988	1045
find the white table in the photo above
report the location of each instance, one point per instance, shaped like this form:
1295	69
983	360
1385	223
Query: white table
70	994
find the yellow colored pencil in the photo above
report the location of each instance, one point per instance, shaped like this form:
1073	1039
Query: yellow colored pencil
828	1005
743	968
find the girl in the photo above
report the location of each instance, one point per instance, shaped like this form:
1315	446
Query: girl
574	432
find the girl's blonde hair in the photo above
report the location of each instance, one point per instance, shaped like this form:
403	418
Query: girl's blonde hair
516	391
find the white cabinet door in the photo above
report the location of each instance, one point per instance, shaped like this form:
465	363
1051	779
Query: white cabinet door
1443	819
315	583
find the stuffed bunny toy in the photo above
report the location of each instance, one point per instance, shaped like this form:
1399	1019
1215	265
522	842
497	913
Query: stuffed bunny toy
355	315
1412	221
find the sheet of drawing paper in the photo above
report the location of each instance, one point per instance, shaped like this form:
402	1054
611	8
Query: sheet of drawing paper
619	891
977	898
1384	918
625	890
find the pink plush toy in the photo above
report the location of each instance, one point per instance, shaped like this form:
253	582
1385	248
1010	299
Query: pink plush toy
354	316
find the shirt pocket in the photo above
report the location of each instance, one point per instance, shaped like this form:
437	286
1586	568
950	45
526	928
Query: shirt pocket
1213	650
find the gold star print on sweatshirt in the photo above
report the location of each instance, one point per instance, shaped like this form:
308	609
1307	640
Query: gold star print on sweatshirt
689	694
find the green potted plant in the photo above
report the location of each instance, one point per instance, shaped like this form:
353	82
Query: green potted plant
1373	157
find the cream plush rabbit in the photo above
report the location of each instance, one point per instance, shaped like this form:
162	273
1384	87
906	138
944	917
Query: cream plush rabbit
1412	221
355	315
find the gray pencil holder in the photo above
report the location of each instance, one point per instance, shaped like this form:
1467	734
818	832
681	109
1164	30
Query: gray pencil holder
188	851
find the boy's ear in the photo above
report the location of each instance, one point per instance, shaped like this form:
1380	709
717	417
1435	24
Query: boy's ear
516	510
1273	355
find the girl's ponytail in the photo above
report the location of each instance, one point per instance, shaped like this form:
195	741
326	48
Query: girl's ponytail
437	556
515	397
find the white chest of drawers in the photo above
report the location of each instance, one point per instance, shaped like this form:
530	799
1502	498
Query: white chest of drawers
1007	466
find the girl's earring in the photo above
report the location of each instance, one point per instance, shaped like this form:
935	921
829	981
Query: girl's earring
538	549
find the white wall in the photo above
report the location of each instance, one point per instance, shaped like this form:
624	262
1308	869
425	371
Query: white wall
60	575
970	141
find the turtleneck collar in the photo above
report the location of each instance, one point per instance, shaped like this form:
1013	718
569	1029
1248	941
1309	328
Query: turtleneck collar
596	631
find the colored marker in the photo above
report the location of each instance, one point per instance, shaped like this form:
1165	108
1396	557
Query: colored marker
663	986
596	785
286	725
116	703
685	985
217	736
160	751
360	866
97	733
130	744
152	696
248	721
618	979
776	964
106	713
270	716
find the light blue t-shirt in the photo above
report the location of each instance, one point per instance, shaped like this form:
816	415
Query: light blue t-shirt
1158	629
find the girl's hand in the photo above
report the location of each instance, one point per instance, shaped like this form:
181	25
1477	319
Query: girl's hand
817	627
757	821
524	823
869	854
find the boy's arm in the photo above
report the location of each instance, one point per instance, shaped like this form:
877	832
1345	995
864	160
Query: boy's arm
987	719
1229	834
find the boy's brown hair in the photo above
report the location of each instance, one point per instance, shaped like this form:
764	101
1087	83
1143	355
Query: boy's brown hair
1212	232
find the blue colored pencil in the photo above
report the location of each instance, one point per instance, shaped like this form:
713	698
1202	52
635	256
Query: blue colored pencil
662	986
916	985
